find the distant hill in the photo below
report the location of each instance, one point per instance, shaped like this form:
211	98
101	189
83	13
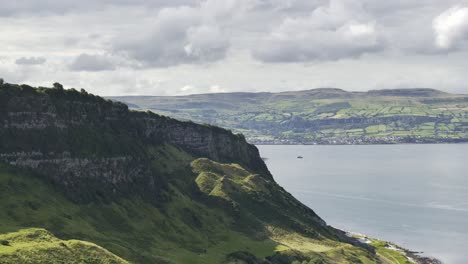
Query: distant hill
323	116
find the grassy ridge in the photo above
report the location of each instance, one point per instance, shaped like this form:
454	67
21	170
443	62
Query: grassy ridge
36	245
324	116
283	218
184	231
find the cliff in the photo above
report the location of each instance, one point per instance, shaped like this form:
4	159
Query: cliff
91	146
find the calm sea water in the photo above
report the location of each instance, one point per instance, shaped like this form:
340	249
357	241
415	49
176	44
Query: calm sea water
413	195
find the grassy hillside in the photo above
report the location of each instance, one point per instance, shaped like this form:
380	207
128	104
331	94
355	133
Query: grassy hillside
324	116
253	220
36	245
147	188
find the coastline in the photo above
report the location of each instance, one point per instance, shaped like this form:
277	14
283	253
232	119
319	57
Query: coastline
357	144
412	256
423	247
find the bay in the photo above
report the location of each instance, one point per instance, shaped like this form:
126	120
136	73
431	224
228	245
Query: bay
412	195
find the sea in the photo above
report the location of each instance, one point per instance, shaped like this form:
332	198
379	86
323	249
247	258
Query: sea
413	195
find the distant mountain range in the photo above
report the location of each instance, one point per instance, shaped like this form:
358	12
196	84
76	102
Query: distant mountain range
323	116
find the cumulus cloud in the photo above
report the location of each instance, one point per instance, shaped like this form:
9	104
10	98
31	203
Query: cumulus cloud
160	46
451	27
30	61
182	35
92	63
328	33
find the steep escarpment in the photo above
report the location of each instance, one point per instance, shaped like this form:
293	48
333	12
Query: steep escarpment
99	148
147	188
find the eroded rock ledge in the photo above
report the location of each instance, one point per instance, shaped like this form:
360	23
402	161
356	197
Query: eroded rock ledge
86	143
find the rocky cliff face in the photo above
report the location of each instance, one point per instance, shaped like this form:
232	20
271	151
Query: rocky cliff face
93	147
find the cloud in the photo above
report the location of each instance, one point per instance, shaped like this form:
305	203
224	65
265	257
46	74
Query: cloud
182	35
451	28
216	89
193	89
47	7
205	43
160	46
340	30
92	63
30	61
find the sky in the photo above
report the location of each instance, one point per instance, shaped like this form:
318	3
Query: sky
177	47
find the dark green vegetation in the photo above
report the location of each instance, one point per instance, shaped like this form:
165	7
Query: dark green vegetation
324	116
147	188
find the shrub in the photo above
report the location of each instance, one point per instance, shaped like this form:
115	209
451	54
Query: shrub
58	86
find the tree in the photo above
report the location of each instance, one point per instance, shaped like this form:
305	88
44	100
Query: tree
1	81
58	86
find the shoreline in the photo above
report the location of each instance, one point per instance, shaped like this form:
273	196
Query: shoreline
363	144
412	256
421	248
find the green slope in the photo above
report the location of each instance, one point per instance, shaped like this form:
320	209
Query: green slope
247	223
35	245
324	116
147	188
181	231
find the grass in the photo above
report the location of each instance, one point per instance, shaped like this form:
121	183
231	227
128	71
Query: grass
294	241
213	178
390	254
259	219
387	252
213	210
36	245
131	228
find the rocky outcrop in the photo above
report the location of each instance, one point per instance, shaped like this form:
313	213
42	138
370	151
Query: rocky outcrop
87	179
92	146
204	141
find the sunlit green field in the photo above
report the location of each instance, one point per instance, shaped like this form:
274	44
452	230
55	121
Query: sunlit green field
324	116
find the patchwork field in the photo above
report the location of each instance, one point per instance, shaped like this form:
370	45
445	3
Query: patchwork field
324	116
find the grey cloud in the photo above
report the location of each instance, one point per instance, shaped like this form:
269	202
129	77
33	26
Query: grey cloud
30	61
439	27
92	63
290	6
364	44
451	28
182	35
337	31
44	7
416	27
